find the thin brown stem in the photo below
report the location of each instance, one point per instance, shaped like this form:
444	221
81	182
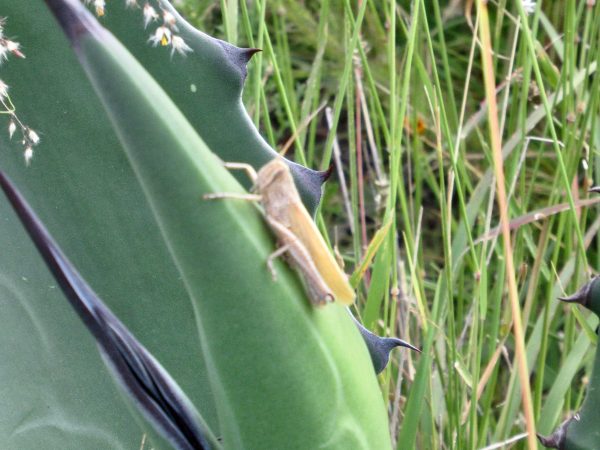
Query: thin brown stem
513	295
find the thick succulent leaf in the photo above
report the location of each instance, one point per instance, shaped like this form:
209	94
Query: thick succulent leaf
82	186
551	412
55	391
206	85
281	371
153	391
581	432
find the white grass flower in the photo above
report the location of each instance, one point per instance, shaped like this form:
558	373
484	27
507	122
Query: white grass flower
162	35
3	52
28	154
131	3
3	90
14	48
12	127
168	18
11	46
33	137
99	5
150	14
178	45
529	6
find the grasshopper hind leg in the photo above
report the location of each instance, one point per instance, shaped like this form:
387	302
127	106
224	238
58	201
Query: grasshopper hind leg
317	296
298	257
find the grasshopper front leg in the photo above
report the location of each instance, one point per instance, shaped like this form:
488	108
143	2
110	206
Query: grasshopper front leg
242	166
232	195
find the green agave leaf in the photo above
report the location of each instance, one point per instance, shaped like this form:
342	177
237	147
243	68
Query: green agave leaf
581	432
553	406
206	85
56	390
150	387
282	372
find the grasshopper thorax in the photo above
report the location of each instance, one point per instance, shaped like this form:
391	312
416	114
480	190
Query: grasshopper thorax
278	192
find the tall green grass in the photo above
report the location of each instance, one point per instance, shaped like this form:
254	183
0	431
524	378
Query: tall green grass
403	84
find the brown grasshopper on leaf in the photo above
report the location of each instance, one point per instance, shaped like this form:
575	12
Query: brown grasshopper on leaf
301	242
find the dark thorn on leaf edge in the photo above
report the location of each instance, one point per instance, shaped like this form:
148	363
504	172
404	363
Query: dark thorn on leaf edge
581	296
549	441
380	347
239	57
248	53
558	438
326	174
402	343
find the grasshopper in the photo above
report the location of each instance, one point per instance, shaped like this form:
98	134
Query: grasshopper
300	240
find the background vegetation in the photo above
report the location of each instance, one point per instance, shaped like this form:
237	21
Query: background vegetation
403	86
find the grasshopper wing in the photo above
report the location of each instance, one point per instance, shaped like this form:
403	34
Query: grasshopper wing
302	225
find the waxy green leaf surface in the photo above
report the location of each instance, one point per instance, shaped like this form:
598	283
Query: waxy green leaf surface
187	277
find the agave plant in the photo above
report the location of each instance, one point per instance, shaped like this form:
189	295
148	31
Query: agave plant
207	347
580	432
